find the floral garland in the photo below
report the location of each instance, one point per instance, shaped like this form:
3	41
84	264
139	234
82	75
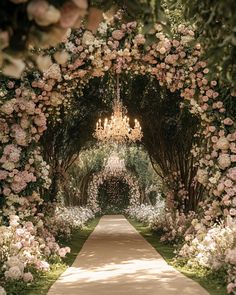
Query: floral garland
176	63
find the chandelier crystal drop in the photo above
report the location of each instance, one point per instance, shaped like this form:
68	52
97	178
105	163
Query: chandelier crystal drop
117	129
114	165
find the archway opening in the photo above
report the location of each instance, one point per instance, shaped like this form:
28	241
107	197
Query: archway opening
113	196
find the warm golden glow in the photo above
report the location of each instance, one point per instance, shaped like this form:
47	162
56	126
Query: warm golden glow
118	129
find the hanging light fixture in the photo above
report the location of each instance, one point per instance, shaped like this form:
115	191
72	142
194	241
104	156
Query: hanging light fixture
118	129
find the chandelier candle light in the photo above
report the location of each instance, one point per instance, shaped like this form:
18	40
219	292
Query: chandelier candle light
118	129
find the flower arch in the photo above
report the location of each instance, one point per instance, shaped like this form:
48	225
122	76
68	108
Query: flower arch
176	63
99	178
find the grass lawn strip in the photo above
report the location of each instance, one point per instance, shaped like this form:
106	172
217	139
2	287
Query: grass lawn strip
44	282
212	282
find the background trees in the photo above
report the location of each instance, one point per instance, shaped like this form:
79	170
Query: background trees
169	130
73	129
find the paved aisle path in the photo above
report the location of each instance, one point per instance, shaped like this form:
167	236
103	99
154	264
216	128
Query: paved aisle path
117	260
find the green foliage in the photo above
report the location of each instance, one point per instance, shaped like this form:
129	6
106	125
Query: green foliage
73	129
89	161
137	160
168	129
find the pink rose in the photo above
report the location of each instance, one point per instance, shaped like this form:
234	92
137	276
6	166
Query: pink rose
82	4
4	39
222	143
27	277
117	34
139	39
228	121
224	161
69	14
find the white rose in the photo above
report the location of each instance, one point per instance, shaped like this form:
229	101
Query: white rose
2	291
88	38
13	273
61	57
43	62
14	66
224	161
202	176
222	143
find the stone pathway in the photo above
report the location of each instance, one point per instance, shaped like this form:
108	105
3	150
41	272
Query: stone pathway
117	260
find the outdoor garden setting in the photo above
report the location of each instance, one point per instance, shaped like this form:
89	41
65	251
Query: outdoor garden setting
117	147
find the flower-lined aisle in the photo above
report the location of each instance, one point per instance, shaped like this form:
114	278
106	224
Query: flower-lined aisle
28	248
198	246
113	242
46	99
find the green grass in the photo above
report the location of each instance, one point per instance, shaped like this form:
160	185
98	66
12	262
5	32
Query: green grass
43	282
212	282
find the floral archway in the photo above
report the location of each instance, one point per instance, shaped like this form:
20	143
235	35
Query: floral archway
114	167
177	64
99	178
60	76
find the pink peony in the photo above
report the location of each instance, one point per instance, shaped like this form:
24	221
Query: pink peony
118	34
3	174
224	161
19	134
228	121
69	14
14	273
42	12
8	107
232	173
27	277
222	143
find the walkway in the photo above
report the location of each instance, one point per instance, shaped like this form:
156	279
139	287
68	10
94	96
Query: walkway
117	260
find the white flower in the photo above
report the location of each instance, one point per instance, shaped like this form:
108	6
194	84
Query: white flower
14	273
27	277
102	28
2	291
43	62
202	176
224	161
88	38
222	143
14	66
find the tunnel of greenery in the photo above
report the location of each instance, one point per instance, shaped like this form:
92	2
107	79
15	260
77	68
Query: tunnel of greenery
179	179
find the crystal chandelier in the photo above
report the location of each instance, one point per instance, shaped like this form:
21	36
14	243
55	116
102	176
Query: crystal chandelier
114	165
118	129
